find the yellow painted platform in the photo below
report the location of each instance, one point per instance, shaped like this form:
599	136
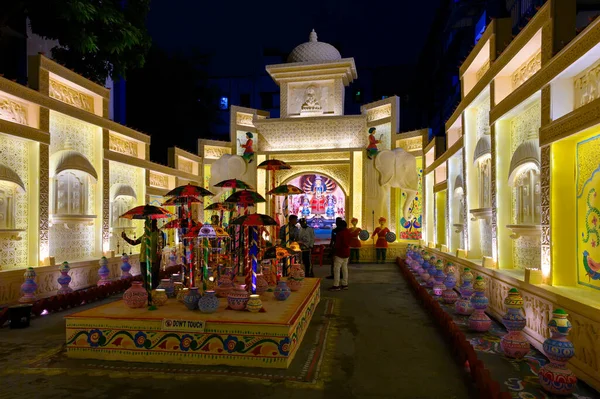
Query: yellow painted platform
174	334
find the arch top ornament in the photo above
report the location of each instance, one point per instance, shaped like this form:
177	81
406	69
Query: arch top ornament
339	173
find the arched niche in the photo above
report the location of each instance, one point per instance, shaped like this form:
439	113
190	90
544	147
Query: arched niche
482	157
122	198
71	179
10	186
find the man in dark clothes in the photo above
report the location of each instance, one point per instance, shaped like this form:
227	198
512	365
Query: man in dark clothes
332	244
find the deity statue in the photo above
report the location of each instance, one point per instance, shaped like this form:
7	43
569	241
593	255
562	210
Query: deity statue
248	150
372	149
311	103
305	206
330	208
319	188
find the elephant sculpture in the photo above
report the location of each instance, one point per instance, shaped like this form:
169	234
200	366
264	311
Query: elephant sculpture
398	168
231	167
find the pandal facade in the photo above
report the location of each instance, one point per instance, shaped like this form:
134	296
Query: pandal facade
66	173
514	195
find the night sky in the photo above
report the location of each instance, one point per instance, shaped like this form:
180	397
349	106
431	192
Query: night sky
375	33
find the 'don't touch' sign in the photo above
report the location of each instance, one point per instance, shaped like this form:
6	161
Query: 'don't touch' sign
183	325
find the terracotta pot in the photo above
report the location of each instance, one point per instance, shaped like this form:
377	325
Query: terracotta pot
134	297
238	298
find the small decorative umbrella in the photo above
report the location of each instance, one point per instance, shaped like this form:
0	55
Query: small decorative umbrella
183	200
189	190
245	198
254	220
177	224
147	213
234	184
286	190
221	207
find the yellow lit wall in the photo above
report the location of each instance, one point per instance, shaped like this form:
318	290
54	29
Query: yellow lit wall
429	199
357	184
440	209
471	182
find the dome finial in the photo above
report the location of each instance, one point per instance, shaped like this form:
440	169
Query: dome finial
313	36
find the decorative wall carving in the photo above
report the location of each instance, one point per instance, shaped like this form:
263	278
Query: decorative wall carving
545	179
493	194
244	119
481	71
312	133
122	145
73	97
44	177
158	180
314	156
13	111
483	118
79	135
587	86
584	335
215	152
525	126
526	70
133	177
412	144
310	98
185	165
72	243
105	202
382	112
311	101
14	154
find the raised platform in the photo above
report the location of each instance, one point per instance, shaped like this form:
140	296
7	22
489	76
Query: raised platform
173	334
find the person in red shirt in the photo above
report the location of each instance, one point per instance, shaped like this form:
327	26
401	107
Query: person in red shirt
341	255
248	150
372	149
355	243
381	244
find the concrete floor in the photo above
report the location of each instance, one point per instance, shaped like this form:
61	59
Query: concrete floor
386	346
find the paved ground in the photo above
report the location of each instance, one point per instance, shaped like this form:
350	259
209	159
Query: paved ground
384	346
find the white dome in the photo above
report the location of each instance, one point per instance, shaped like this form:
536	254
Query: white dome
314	51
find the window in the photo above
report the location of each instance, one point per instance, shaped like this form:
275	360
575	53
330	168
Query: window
71	188
485	166
245	100
7	206
266	100
528	197
224	103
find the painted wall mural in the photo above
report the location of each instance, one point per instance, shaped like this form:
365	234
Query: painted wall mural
588	213
410	226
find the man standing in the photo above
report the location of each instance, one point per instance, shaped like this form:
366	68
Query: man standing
332	244
306	236
291	226
340	258
157	243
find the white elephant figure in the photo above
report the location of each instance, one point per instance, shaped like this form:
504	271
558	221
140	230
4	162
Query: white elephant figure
398	168
231	167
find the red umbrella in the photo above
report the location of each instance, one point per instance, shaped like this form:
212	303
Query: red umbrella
177	224
273	164
183	200
286	189
254	219
235	184
245	198
189	190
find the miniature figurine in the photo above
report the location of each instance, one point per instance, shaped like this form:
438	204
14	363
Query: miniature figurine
381	244
248	150
372	149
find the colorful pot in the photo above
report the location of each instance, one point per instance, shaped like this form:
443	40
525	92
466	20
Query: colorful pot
238	298
64	279
297	272
261	284
182	293
254	304
439	287
167	285
177	287
29	287
191	298
282	291
225	283
103	272
125	267
449	295
514	344
136	296
209	303
294	284
555	377
176	278
479	321
159	297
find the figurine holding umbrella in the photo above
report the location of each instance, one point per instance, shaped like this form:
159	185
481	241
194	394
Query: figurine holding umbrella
286	190
147	213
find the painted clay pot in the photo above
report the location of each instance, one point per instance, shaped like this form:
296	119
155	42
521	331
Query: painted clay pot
225	284
294	284
125	267
177	287
449	295
254	304
136	296
182	293
103	272
479	321
439	287
190	300
297	272
167	285
176	278
261	284
159	297
555	377
238	298
282	291
514	344
209	303
29	287
64	279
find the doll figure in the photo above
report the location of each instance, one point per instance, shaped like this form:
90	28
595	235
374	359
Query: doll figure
355	243
248	150
305	206
330	209
381	244
372	149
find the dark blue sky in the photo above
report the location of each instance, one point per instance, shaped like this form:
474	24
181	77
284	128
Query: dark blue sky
375	33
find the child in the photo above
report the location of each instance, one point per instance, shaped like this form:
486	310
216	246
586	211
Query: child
341	255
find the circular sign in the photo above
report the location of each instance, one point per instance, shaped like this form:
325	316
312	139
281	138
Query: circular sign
390	237
363	235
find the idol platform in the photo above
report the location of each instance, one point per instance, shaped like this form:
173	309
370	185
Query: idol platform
174	334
